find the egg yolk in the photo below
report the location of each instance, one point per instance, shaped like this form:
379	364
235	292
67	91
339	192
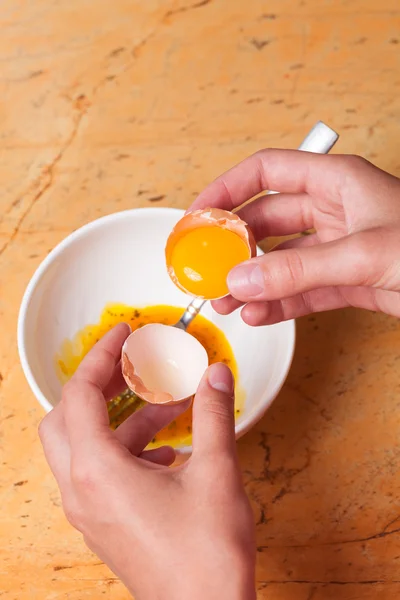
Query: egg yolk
203	257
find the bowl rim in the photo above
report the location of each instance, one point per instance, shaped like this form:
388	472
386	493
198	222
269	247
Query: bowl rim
240	428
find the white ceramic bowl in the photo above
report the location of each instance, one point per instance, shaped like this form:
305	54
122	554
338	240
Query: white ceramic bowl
120	258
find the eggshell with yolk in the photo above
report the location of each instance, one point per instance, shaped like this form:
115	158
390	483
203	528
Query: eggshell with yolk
209	217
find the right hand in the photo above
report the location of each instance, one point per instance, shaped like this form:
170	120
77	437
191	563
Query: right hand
353	258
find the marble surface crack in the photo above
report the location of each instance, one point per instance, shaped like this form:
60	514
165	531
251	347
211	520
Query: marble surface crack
77	566
376	536
182	9
332	582
49	173
134	52
49	169
4	376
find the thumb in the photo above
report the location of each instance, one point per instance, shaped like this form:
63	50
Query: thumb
348	261
213	413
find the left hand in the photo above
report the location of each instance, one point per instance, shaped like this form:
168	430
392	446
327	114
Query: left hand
176	533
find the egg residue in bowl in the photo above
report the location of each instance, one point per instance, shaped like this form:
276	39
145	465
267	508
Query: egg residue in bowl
179	432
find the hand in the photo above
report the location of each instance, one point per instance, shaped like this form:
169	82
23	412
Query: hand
176	533
353	258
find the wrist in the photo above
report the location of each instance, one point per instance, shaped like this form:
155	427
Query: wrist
229	582
232	577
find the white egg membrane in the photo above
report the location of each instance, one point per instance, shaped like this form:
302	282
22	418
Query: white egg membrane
167	359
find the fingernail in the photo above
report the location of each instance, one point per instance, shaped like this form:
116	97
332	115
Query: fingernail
246	280
220	378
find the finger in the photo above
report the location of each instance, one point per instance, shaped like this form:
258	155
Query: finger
286	273
213	413
98	365
257	314
290	171
54	439
226	305
303	241
386	301
165	455
278	214
116	385
84	407
140	428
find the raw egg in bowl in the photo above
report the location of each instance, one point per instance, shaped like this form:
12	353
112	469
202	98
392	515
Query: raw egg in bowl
119	260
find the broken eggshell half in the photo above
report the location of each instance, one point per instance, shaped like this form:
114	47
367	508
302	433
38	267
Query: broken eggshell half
162	364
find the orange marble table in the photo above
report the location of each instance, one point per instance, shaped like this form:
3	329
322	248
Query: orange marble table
110	105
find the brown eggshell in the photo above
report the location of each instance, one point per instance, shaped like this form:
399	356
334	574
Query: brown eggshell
136	385
154	348
208	217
